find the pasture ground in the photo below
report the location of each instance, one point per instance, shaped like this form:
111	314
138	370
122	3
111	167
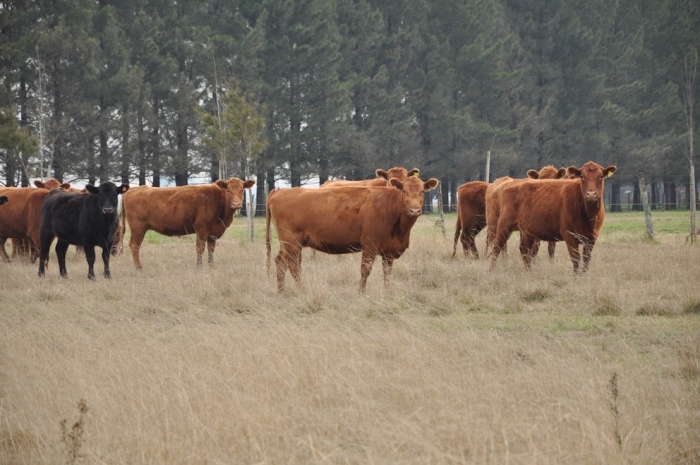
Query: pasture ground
451	364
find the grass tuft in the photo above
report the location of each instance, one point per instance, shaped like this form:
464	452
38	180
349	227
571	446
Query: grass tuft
653	309
692	306
538	295
606	307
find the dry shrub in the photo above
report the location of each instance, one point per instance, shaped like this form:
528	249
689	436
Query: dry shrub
653	309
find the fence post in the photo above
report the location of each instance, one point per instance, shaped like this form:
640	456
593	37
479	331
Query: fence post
645	205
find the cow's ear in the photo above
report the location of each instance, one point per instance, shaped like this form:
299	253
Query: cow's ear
92	189
609	171
220	184
573	172
532	174
123	188
430	184
396	183
414	172
39	184
561	173
248	183
65	186
382	174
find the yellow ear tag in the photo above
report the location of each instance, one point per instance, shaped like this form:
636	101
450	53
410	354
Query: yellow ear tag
610	174
415	174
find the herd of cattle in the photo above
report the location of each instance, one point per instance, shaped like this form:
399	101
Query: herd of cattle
374	217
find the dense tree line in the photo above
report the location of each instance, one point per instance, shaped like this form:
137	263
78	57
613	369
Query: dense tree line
100	90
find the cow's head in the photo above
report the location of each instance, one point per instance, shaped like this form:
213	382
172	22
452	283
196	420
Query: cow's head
52	184
397	172
107	199
547	172
413	189
592	176
235	191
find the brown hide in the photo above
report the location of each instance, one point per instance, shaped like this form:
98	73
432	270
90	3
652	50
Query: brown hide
569	210
471	216
206	210
382	179
547	172
20	219
23	247
373	220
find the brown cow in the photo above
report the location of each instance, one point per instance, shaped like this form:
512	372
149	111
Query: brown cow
206	210
374	220
547	172
21	219
493	198
569	210
471	212
471	216
382	179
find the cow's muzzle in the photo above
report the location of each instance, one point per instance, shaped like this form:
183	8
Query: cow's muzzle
108	211
414	211
237	206
592	196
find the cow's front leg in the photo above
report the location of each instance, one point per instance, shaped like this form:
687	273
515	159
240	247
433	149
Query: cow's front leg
89	255
587	250
106	252
572	246
61	249
366	267
211	245
201	243
387	264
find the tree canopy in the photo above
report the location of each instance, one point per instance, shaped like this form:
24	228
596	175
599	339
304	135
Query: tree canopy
97	90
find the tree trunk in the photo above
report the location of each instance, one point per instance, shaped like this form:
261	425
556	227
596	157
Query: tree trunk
444	193
155	144
260	196
670	195
636	201
645	204
441	204
615	204
126	149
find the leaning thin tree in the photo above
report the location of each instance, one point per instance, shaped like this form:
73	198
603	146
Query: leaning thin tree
690	63
236	133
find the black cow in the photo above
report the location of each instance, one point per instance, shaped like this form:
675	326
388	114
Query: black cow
80	219
3	200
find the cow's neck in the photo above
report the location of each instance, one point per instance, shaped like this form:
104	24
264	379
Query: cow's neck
594	212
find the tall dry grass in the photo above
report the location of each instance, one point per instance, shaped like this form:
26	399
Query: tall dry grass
451	364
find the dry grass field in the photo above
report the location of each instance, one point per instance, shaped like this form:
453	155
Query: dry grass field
451	364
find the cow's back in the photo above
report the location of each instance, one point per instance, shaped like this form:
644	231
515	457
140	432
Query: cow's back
172	210
547	209
333	220
22	213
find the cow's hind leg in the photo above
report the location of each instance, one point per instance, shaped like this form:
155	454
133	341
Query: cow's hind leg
3	252
528	249
106	252
550	249
61	249
289	257
499	240
366	267
135	242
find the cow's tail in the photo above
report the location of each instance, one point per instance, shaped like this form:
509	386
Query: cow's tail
268	215
458	231
122	229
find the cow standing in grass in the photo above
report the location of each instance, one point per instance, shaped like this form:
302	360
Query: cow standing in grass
569	210
373	220
87	220
206	210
